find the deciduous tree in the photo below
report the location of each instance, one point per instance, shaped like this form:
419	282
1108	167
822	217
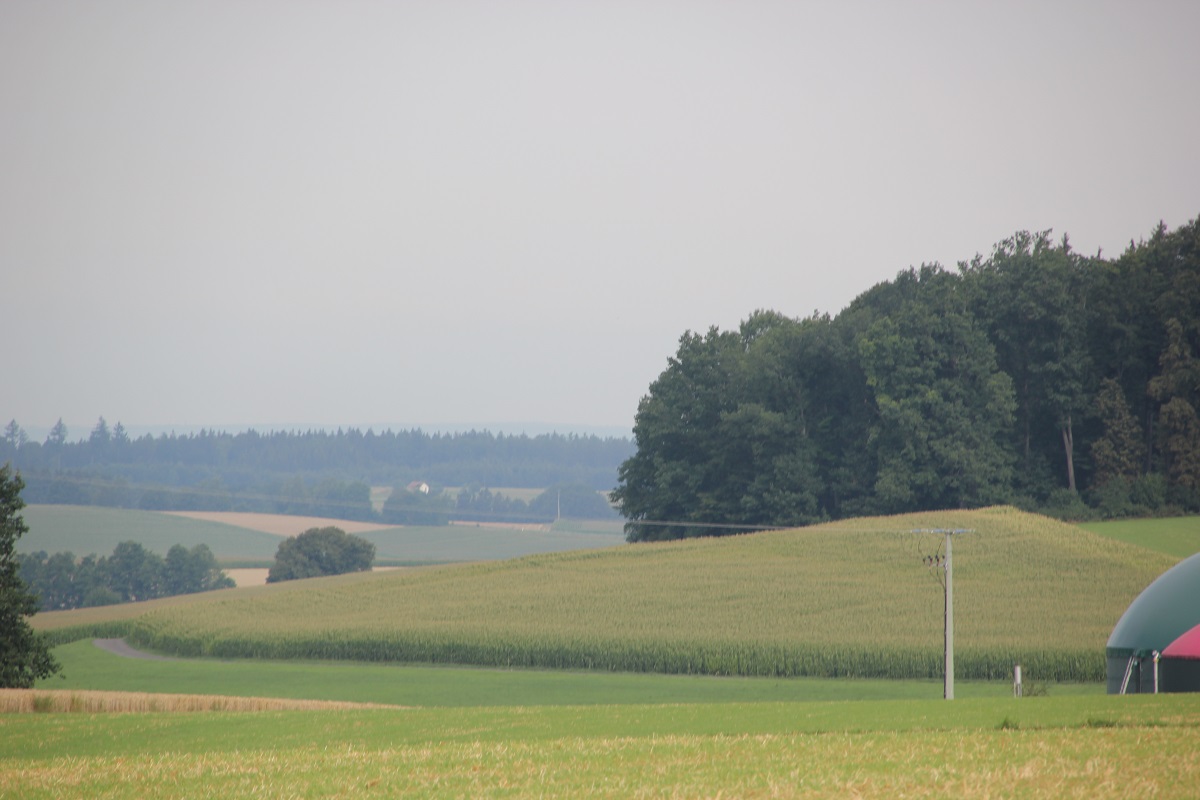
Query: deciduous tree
320	551
24	655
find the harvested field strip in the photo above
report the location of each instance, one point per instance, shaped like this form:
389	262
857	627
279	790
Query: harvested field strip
51	701
278	524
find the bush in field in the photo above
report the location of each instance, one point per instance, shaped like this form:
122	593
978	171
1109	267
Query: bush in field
320	551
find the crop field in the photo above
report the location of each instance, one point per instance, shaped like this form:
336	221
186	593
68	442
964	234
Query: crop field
852	599
1095	747
1175	536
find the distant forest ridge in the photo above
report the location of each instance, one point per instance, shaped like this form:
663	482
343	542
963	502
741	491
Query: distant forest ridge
208	468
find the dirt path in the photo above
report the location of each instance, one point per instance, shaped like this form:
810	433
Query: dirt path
120	647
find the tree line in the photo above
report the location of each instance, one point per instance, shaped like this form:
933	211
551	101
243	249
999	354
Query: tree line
317	473
1035	376
131	573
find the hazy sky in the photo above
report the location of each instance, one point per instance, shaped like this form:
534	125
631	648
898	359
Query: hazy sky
492	213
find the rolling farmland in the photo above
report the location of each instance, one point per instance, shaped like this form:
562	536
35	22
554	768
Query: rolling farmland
238	538
845	599
855	595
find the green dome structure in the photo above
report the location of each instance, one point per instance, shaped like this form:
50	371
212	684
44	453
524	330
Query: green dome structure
1166	611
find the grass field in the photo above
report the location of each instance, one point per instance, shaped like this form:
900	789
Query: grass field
1176	536
1091	747
850	599
84	530
87	667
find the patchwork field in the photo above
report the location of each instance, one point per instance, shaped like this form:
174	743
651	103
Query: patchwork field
252	539
846	599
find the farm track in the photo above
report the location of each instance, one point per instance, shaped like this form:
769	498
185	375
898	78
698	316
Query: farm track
119	647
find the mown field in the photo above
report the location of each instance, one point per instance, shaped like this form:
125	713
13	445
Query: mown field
87	667
83	530
851	599
1175	536
1095	747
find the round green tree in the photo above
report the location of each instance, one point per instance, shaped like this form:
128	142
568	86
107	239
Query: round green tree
320	551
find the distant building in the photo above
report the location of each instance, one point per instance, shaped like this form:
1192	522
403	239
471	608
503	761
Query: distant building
419	486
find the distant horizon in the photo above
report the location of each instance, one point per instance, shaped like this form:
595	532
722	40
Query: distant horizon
482	211
79	431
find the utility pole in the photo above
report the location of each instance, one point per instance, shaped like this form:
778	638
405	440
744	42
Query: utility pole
946	562
948	692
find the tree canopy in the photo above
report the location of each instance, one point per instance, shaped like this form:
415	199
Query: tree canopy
1034	376
24	655
131	573
320	551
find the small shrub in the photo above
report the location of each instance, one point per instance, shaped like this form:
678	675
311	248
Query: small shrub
1149	492
1067	505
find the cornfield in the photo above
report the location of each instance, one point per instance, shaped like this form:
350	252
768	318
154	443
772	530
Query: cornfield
847	599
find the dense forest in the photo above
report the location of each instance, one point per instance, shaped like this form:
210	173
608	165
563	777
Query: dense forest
322	473
1035	376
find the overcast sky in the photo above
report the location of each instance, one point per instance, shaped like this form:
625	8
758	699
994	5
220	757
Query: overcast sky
498	213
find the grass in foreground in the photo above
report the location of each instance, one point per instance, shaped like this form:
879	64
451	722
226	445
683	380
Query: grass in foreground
1048	747
60	701
88	667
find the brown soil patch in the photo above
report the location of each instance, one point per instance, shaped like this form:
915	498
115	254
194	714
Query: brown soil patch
257	576
279	524
248	576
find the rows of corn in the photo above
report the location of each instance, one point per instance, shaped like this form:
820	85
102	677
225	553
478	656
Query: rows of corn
849	599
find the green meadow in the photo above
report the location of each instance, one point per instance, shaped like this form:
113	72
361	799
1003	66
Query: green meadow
86	666
1175	536
1098	746
85	530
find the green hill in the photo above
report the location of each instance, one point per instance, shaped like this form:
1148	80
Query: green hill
852	598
